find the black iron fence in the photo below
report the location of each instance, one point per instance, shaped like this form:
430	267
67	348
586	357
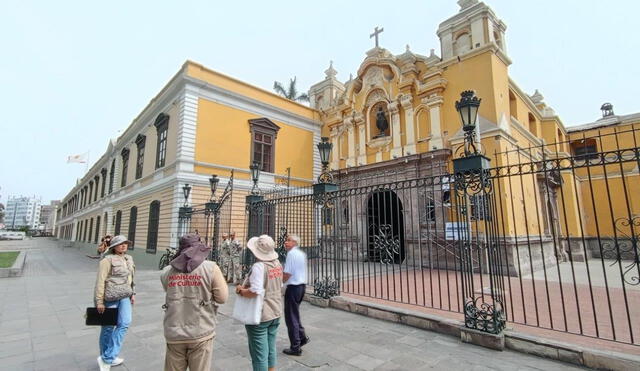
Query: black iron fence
547	237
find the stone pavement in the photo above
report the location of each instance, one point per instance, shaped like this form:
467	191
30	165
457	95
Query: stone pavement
42	328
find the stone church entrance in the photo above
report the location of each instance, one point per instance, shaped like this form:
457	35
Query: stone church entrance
385	226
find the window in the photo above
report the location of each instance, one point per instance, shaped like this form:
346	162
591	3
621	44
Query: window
90	230
263	135
462	44
430	210
97	182
585	149
345	211
90	192
480	207
116	231
125	166
140	142
112	173
95	240
104	181
162	127
154	221
84	231
133	218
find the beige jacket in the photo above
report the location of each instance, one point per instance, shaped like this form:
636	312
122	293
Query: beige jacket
272	307
191	302
110	265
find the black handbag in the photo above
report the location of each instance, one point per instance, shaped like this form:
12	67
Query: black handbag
108	318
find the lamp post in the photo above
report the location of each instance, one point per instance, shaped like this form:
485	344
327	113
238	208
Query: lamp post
213	183
186	190
184	213
467	107
323	195
473	182
325	179
255	175
324	148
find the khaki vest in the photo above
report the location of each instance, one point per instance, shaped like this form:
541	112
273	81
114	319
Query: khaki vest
272	307
190	312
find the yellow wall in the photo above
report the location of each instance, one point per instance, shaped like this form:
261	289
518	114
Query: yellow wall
223	137
215	78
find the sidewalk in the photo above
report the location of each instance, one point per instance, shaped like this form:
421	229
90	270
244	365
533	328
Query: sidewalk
42	328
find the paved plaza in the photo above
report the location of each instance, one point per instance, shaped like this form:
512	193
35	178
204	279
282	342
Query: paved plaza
42	328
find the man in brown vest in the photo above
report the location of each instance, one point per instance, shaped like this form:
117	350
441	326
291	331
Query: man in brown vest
194	287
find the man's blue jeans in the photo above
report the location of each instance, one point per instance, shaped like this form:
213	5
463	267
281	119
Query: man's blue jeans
112	337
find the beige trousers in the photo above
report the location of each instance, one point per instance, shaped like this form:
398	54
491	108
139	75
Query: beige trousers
196	356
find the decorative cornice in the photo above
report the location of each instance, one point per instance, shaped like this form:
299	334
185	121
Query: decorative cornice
264	124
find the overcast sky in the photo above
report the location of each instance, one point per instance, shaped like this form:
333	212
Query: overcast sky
72	74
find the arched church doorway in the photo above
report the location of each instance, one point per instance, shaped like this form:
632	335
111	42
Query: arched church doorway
385	225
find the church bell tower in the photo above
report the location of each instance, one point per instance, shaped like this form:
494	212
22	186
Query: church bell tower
474	27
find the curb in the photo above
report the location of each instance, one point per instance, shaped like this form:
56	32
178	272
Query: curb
16	268
509	339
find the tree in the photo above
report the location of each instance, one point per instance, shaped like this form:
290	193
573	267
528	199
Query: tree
291	92
1	213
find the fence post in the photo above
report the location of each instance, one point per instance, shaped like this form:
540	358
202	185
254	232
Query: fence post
477	230
327	284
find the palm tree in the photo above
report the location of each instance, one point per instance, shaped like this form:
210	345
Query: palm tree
291	92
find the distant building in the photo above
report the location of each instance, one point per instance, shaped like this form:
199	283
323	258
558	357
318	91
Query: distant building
22	212
48	217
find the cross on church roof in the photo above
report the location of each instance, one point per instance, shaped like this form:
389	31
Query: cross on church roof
375	34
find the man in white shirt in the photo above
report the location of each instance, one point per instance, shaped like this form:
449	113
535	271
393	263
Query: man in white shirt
295	279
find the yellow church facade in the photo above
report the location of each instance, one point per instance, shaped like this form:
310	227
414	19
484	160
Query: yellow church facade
203	122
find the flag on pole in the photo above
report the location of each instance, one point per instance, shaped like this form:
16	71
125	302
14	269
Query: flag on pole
81	159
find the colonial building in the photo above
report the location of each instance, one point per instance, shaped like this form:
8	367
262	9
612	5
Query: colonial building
201	123
394	119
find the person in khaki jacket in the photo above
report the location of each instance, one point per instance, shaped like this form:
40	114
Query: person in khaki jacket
265	278
194	287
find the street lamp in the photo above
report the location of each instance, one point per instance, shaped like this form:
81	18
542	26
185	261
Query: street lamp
255	175
186	189
467	107
324	148
213	183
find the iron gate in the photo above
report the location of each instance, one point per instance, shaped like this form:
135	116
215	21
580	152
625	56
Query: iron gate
540	238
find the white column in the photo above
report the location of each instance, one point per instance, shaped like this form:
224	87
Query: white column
351	141
396	150
407	106
434	103
335	154
359	122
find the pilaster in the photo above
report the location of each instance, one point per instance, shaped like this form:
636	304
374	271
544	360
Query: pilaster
396	150
351	142
359	123
407	106
434	103
335	154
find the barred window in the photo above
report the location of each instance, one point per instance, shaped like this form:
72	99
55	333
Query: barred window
125	166
97	236
162	127
480	207
133	219
112	174
116	231
154	221
140	143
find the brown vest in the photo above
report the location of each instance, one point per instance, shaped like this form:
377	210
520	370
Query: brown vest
190	312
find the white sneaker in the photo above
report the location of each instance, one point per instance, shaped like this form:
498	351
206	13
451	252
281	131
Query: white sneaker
117	362
102	365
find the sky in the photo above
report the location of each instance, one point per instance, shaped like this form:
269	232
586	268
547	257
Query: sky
75	73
